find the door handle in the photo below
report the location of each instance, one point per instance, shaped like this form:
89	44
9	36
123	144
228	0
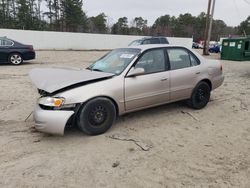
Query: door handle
164	79
198	73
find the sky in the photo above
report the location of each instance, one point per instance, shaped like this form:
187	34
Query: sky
232	12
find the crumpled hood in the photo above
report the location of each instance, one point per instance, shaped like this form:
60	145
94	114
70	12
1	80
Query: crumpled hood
54	79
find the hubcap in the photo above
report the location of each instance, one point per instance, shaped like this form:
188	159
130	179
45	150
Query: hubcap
98	115
201	95
16	59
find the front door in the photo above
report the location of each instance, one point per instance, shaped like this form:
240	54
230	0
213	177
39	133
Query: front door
151	88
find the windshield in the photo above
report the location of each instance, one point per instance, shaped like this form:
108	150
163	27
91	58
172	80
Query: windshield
135	43
115	61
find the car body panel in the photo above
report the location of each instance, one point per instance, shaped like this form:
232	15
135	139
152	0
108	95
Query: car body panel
51	121
110	88
182	82
53	79
146	90
214	68
128	93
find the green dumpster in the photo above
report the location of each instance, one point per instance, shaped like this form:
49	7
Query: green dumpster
236	49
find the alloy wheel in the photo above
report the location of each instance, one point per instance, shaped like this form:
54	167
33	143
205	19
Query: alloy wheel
16	59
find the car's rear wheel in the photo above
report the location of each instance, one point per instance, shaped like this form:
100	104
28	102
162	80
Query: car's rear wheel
15	59
200	96
96	116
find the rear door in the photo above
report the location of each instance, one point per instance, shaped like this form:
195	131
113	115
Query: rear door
151	88
184	71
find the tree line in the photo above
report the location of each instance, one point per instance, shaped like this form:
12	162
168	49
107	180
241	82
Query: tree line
68	15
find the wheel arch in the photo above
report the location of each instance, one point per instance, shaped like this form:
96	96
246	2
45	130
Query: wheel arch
190	100
15	52
208	82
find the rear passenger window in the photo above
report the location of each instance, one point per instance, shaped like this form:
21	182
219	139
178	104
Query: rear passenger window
181	58
194	61
178	58
5	43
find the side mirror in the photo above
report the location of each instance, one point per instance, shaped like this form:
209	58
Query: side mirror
136	72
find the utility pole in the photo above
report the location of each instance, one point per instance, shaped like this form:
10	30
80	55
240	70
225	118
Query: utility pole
208	29
211	22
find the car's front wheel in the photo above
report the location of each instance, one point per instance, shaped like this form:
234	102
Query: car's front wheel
96	116
200	96
15	59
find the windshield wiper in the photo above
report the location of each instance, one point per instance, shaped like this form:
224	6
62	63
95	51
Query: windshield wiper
99	70
92	69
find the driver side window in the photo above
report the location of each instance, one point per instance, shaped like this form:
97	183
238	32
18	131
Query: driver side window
152	61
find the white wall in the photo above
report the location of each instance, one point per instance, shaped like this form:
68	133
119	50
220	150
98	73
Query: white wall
45	40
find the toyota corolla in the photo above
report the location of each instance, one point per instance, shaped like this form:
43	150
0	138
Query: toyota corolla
122	81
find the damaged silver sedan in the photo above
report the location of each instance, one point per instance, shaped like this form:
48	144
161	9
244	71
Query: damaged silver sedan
122	81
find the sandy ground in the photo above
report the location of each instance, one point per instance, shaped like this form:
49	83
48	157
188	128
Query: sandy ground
185	148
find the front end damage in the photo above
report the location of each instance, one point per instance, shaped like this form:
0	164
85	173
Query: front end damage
51	121
52	112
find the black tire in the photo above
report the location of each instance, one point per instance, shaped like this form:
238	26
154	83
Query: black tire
15	59
200	96
96	116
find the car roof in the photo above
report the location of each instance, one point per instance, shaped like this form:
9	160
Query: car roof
150	37
4	38
151	46
15	42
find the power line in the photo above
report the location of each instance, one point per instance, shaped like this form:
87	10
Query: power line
237	9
